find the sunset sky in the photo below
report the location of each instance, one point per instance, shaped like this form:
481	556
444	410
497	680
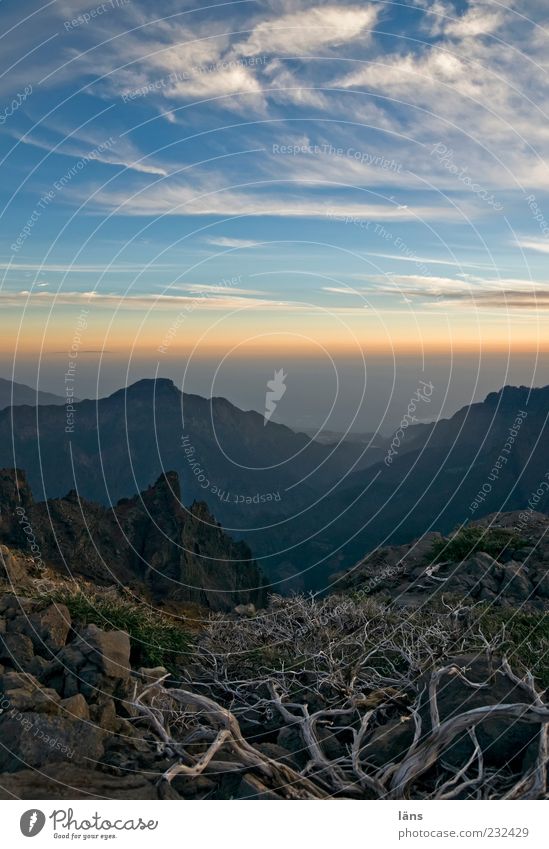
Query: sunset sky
274	177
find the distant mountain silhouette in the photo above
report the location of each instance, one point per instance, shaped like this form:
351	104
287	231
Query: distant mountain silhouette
306	509
488	457
14	394
117	446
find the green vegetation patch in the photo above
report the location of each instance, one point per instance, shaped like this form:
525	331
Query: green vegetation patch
467	541
156	639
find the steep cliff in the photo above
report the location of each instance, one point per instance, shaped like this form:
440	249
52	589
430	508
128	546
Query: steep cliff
150	543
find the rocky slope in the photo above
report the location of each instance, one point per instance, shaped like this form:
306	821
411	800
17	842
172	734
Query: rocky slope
434	695
250	712
488	457
500	560
150	543
65	718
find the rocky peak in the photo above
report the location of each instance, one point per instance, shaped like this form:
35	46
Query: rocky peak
147	387
14	489
15	495
164	494
151	543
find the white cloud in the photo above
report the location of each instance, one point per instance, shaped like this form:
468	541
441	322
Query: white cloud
226	242
538	245
216	289
224	300
468	89
78	268
285	87
217	83
487	97
430	260
119	152
477	292
311	29
171	198
342	290
153	303
477	20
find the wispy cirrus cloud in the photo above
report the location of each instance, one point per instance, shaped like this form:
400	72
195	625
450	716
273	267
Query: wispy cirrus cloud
216	289
201	300
441	292
113	150
345	290
199	57
503	293
425	260
226	242
212	197
477	84
532	244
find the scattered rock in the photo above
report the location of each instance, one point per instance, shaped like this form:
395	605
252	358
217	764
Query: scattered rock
251	787
388	743
291	741
49	628
14	568
515	583
17	680
104	714
38	667
68	781
12	605
34	740
76	707
16	650
406	573
108	650
245	610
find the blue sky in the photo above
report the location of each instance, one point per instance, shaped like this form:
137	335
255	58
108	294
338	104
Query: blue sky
329	157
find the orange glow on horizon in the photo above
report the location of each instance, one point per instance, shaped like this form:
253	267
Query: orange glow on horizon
161	335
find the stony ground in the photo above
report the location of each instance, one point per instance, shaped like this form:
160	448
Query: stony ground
507	563
422	677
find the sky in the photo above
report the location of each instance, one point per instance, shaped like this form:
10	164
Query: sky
213	191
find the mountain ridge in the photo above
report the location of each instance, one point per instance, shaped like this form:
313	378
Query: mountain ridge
13	394
150	543
279	490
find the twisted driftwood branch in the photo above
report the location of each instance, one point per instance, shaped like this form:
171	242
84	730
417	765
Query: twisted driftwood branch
336	672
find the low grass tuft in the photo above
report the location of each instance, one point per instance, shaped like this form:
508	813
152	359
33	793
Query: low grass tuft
156	638
466	542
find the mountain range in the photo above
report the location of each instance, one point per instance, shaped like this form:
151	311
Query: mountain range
117	614
307	510
489	457
15	394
